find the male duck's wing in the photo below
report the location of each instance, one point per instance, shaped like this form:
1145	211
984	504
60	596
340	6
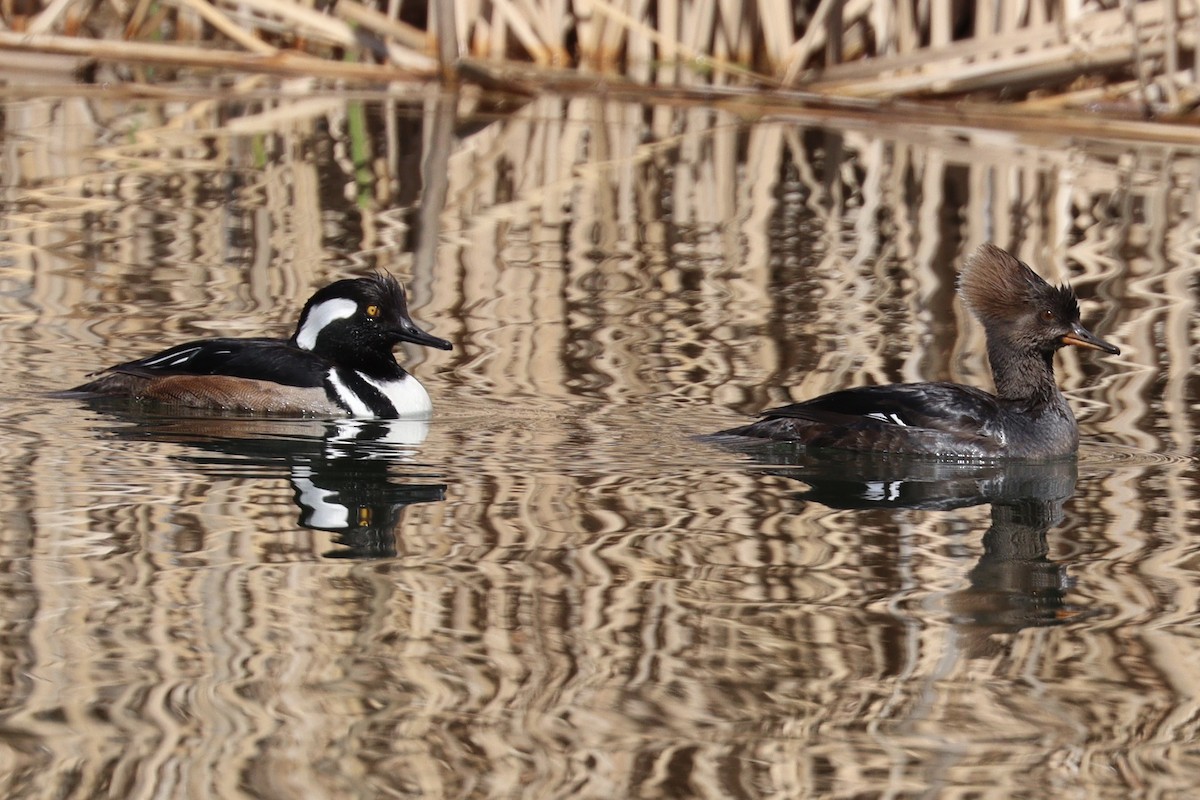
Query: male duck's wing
271	360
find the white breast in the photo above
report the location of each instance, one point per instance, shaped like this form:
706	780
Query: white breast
408	396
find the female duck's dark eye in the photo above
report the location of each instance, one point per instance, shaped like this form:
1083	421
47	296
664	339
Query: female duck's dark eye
1047	315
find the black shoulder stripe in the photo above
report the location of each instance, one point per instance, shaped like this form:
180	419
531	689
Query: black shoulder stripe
345	386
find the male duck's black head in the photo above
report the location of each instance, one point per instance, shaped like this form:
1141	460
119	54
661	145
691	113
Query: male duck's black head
1021	312
359	321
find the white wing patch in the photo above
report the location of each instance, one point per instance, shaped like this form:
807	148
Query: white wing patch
321	315
173	359
892	418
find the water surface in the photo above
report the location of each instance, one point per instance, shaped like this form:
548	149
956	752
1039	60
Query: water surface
553	589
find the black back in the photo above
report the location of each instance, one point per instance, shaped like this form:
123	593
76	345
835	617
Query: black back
275	360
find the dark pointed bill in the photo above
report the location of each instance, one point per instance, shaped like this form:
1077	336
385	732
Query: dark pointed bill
1082	337
411	333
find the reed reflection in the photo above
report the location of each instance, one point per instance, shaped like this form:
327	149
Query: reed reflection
1015	584
342	472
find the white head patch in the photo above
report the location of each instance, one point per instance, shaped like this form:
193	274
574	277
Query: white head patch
321	315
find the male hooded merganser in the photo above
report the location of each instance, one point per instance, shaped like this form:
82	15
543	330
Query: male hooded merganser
338	362
1026	321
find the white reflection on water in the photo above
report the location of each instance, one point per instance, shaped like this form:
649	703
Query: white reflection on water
554	590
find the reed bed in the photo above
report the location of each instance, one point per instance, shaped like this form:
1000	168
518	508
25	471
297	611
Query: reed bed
1127	58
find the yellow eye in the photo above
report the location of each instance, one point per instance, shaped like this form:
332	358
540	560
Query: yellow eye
372	311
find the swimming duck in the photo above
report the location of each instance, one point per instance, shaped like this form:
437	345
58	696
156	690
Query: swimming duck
338	362
1026	321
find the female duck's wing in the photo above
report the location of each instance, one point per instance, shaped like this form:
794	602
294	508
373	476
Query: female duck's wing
918	418
947	407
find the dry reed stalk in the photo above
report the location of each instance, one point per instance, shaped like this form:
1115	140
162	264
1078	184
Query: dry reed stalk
50	15
1086	30
638	9
1046	58
1027	39
940	22
287	113
1018	120
908	36
549	20
798	54
523	31
1171	60
1052	65
735	36
1078	98
282	63
302	20
405	51
445	25
136	18
1110	94
776	26
382	24
401	53
1151	23
589	33
674	51
655	41
222	23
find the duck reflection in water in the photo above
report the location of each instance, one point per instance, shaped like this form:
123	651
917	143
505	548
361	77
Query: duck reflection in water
340	470
351	495
1014	585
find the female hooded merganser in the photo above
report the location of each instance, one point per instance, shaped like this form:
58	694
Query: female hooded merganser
338	362
1026	321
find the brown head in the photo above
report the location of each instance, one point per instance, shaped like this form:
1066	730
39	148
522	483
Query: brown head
1016	306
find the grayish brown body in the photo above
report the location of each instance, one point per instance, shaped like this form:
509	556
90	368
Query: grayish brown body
1026	320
